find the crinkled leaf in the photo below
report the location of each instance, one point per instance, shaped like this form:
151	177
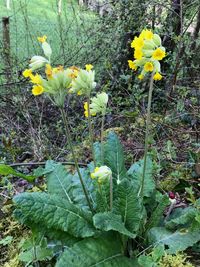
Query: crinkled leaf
128	205
180	217
114	157
136	171
109	221
56	212
175	241
102	252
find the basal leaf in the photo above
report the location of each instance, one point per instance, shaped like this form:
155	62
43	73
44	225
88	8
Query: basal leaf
114	157
56	212
102	252
128	205
135	173
175	241
109	221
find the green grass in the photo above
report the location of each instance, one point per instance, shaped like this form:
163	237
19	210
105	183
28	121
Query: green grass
67	33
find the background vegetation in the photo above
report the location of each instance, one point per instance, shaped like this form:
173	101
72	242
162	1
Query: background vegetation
31	128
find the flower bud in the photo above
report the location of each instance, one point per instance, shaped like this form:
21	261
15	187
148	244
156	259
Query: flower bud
157	39
47	49
102	173
37	62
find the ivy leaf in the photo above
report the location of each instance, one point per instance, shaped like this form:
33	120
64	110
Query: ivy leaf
102	252
176	241
109	221
114	157
56	212
136	171
7	170
128	205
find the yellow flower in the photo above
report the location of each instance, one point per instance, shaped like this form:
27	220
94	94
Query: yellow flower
86	109
37	90
27	73
148	66
48	71
132	65
93	173
158	54
141	77
137	42
138	54
102	173
146	34
42	39
157	76
88	67
36	79
79	92
86	112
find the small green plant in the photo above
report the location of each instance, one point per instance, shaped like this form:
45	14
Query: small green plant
104	213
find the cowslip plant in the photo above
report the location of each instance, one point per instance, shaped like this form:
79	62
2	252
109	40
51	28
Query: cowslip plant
102	214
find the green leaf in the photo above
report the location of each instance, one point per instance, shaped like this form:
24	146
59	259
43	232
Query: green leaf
6	240
158	213
128	205
102	252
114	157
109	221
7	170
59	181
180	217
136	171
146	261
56	212
176	241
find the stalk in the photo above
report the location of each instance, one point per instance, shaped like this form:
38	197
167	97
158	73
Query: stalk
102	130
67	131
111	193
148	122
90	131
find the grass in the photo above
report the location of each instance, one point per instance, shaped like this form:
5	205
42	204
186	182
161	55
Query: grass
67	33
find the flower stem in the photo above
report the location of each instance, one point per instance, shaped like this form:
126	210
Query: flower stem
111	193
91	131
102	132
148	122
67	131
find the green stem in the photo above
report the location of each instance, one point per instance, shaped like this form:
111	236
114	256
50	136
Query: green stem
111	193
148	122
102	131
67	131
90	131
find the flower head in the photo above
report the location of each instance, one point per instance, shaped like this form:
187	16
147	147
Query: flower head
102	173
132	65
148	51
37	79
27	73
37	90
148	66
157	76
88	67
37	62
99	103
86	110
158	54
42	39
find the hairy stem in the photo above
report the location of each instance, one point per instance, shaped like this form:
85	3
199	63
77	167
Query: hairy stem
67	131
91	131
102	132
111	193
148	122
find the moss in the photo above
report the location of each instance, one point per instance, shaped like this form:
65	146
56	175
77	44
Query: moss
178	260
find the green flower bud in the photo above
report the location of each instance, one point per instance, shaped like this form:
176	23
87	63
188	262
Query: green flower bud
149	45
99	104
47	49
157	39
102	173
37	62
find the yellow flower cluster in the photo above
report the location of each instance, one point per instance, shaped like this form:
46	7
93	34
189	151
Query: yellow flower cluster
102	174
148	51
